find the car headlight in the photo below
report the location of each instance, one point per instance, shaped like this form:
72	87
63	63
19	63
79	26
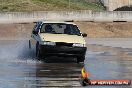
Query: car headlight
79	45
47	43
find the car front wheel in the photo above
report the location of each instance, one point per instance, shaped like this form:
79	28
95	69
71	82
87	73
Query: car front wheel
38	54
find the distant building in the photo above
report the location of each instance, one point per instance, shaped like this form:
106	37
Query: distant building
114	4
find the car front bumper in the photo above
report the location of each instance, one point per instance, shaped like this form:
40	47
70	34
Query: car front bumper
47	50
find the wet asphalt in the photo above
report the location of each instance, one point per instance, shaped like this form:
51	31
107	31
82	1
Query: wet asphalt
19	67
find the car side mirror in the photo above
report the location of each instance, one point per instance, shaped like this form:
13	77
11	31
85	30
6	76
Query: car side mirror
35	32
84	34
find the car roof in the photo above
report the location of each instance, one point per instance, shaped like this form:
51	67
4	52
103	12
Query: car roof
58	22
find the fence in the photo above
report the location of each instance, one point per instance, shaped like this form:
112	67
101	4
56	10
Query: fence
85	15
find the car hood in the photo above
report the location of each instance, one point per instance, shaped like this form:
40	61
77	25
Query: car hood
62	38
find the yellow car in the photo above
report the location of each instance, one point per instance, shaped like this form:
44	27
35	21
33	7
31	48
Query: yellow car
59	39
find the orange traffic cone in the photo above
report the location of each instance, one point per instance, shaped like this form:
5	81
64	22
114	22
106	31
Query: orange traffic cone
84	78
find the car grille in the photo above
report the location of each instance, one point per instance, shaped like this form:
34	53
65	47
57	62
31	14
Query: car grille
64	44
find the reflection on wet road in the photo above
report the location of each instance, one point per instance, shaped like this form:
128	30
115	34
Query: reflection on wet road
20	69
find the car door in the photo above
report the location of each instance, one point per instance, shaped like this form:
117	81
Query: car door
36	31
35	35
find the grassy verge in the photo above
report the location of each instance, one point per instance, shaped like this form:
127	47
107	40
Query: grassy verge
47	5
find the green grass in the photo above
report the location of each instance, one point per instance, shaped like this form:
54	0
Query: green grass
47	5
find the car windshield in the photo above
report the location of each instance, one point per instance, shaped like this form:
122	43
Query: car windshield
60	28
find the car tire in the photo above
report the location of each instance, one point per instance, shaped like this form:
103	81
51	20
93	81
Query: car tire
80	59
29	44
37	44
38	54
